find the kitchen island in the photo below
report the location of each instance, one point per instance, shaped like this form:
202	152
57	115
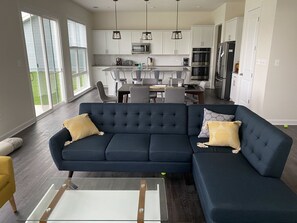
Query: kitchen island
165	72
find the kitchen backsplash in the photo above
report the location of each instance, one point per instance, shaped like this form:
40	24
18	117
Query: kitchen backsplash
107	60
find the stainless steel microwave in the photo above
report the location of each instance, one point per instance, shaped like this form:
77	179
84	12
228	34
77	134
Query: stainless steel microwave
141	48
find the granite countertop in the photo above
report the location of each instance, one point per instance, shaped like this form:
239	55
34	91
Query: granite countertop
164	68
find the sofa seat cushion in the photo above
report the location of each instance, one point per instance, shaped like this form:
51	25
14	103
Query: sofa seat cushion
219	149
128	147
170	148
3	181
89	148
231	190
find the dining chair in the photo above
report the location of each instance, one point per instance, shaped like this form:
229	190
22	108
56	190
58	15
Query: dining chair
174	95
151	81
175	81
7	182
140	94
102	96
202	84
116	76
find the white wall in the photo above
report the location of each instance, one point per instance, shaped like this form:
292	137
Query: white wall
16	103
16	100
280	103
273	95
156	20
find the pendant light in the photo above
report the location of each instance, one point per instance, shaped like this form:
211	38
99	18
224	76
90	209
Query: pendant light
116	34
146	35
177	34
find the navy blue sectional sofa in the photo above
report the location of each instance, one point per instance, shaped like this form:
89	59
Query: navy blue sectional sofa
244	187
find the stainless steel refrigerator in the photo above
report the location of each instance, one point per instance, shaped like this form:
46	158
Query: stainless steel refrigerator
224	68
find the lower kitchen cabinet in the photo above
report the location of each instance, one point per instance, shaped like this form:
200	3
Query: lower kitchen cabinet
100	75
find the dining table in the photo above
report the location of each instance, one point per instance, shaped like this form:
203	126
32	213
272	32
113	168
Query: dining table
192	89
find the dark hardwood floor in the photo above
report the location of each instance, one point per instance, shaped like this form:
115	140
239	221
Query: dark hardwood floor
33	164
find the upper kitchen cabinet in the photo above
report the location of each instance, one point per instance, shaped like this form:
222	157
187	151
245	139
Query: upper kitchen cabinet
136	37
103	42
202	36
112	45
156	43
99	42
176	47
233	29
125	45
183	45
168	43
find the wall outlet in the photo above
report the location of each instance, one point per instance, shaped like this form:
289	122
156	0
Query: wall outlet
276	63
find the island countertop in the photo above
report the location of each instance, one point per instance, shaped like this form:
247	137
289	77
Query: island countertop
149	68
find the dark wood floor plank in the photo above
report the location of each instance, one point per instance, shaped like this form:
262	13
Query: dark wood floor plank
33	164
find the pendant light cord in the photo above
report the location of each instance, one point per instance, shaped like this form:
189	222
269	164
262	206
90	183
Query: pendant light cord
177	15
116	18
145	16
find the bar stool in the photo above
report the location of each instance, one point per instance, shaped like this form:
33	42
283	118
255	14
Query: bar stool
116	76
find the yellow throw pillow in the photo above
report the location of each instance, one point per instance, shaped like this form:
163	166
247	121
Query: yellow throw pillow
80	127
224	134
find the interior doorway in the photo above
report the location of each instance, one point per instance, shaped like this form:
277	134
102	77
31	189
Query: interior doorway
44	59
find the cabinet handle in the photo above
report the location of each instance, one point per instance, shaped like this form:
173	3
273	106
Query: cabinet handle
241	74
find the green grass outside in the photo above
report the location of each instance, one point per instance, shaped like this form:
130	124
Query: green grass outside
40	93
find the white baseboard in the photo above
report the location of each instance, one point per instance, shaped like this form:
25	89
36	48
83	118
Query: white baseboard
18	129
282	121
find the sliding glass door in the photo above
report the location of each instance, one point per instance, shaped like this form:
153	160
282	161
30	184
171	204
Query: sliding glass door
44	58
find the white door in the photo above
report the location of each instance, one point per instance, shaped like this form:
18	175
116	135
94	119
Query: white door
247	72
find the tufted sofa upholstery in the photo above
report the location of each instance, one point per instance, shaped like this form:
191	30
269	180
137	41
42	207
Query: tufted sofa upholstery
244	187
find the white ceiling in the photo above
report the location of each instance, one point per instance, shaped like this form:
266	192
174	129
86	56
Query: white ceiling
153	5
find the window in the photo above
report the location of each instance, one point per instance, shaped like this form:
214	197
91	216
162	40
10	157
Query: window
78	56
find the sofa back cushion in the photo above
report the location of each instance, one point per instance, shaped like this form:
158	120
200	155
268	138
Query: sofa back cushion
138	118
264	146
196	113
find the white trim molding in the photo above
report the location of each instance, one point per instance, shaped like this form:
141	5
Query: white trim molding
18	129
283	121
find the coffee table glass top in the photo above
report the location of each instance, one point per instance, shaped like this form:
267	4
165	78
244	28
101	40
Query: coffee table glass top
97	200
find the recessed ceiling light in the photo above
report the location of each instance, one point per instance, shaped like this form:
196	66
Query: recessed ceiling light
153	7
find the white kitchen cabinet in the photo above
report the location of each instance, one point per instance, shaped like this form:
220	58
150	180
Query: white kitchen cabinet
99	42
161	44
100	75
176	47
125	46
168	43
233	29
182	46
112	45
202	36
156	42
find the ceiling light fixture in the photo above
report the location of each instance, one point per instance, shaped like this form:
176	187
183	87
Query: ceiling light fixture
116	34
146	35
177	34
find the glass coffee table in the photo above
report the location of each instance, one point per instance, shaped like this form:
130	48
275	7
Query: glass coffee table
98	200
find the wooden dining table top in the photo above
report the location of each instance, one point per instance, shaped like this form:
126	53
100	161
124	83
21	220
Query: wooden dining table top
192	89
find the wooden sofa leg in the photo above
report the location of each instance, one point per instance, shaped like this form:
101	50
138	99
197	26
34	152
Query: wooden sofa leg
12	203
70	174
